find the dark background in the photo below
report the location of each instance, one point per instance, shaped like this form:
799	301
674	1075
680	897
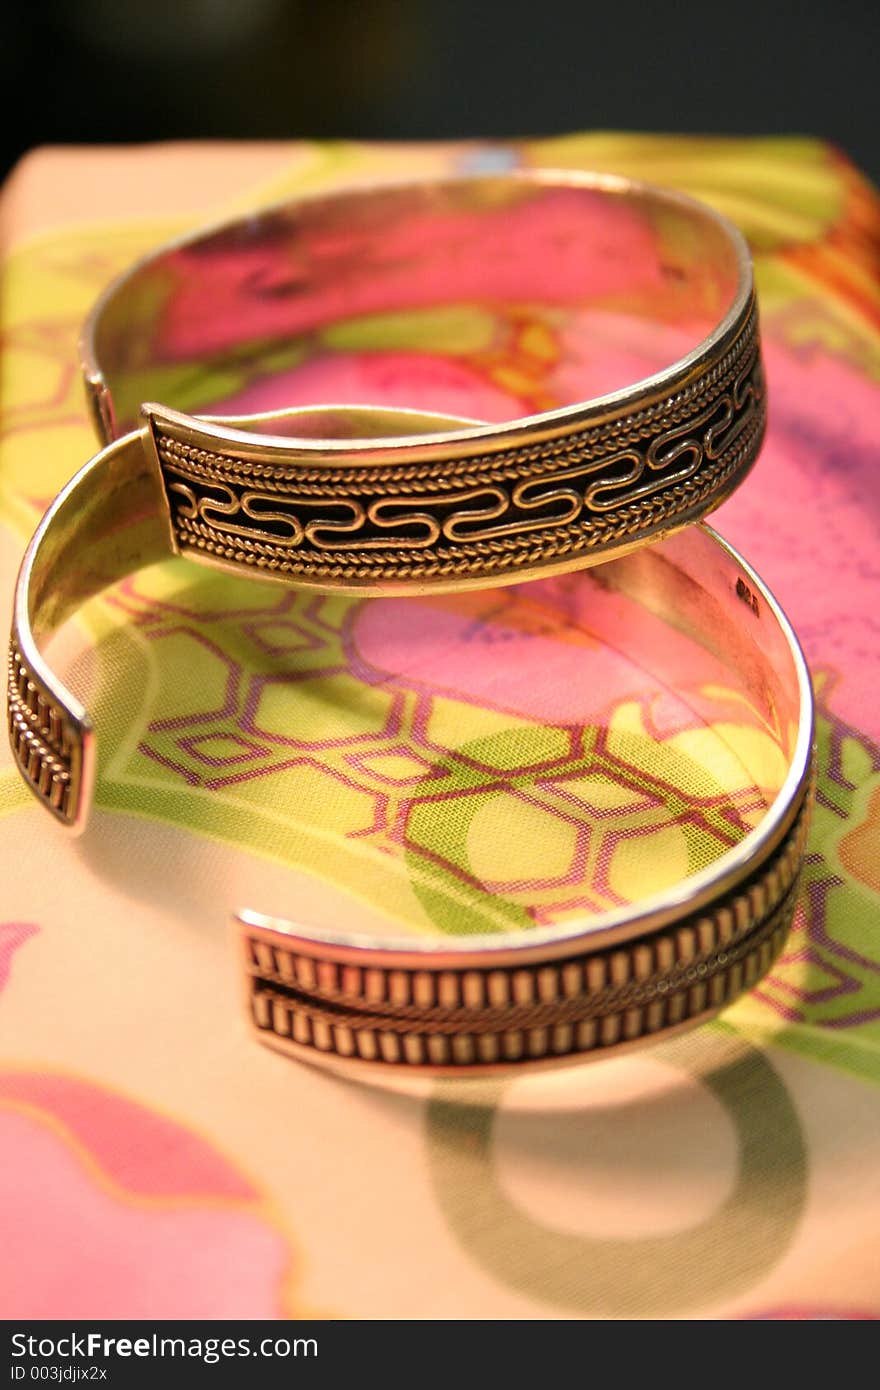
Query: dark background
130	70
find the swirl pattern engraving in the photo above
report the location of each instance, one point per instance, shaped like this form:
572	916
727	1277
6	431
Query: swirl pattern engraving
554	501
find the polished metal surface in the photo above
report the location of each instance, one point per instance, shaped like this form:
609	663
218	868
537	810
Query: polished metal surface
644	297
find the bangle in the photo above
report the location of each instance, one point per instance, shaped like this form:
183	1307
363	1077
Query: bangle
642	295
393	500
550	994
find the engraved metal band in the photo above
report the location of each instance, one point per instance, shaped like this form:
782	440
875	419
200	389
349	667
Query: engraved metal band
461	506
546	995
504	1008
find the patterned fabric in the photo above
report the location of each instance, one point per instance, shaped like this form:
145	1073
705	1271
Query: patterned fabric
480	763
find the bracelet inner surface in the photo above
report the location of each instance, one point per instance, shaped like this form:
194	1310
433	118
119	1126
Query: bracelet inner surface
526	294
600	337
